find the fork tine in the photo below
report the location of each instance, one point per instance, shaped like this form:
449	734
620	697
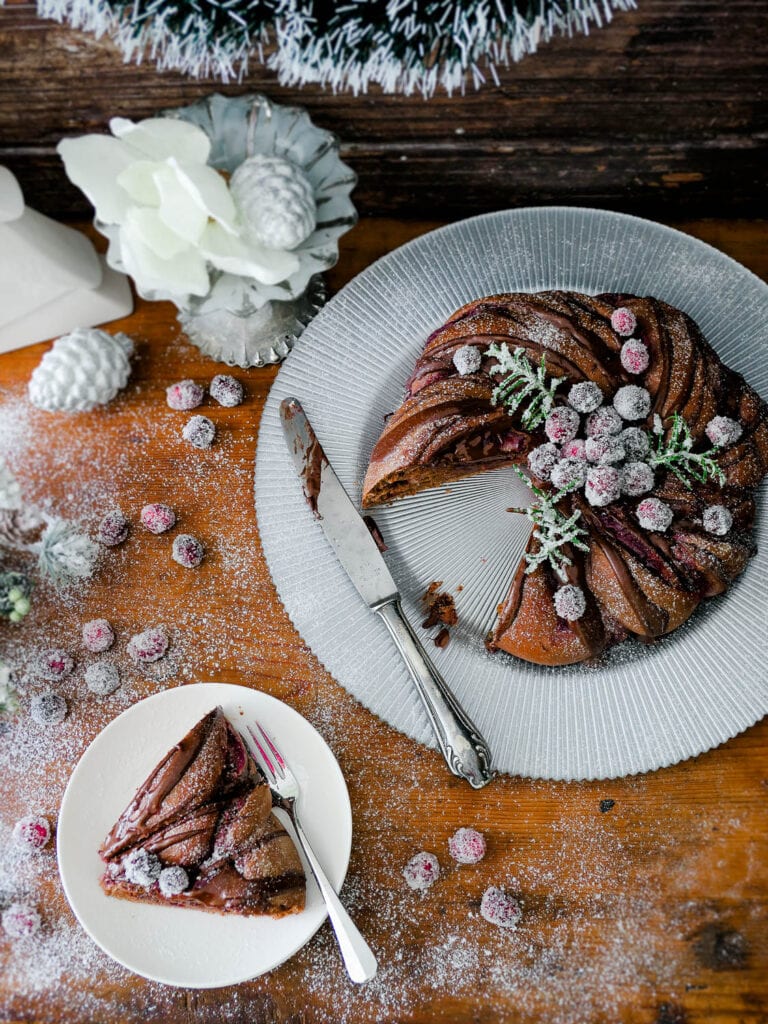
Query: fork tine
272	747
263	757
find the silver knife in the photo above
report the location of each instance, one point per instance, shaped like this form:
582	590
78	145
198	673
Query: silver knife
464	749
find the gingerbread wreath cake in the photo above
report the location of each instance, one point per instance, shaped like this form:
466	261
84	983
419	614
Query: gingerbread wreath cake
200	833
641	447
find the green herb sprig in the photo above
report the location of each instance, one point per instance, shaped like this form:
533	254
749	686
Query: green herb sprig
674	453
522	383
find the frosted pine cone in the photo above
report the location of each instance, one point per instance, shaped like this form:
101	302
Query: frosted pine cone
84	369
275	201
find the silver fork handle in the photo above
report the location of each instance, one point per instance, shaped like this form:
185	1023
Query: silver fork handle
464	749
357	955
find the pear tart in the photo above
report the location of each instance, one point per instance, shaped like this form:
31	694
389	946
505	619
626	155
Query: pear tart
200	833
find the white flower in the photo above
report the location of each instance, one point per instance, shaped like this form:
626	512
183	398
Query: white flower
169	217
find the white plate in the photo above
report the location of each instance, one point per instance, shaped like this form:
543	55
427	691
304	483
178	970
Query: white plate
642	707
192	948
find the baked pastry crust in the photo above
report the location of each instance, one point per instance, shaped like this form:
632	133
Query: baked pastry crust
635	581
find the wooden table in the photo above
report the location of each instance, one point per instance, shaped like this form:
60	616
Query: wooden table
652	908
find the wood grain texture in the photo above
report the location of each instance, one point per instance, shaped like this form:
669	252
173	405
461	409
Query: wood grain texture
651	911
661	113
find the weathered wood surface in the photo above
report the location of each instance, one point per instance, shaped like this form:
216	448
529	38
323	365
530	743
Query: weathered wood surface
661	113
652	912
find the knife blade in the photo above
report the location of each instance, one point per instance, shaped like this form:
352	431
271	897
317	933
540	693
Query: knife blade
463	747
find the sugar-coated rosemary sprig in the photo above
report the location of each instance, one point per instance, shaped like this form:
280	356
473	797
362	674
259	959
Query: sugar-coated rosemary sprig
674	453
521	383
551	529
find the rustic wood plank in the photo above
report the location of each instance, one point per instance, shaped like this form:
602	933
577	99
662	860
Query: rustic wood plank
662	113
651	912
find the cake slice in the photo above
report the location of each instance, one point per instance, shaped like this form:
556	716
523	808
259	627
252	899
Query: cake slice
200	833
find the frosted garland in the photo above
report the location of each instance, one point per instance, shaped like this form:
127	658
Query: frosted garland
410	47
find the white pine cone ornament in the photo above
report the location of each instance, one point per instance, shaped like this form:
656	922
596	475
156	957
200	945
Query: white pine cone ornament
84	369
275	201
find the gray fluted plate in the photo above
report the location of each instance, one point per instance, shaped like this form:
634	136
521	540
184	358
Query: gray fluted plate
642	707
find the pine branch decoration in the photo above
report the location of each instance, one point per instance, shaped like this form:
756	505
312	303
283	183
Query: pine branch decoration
523	383
552	530
674	453
405	46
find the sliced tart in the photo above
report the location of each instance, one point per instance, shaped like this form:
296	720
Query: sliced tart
200	833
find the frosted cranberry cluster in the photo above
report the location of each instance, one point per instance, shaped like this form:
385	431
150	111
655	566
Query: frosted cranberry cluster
602	450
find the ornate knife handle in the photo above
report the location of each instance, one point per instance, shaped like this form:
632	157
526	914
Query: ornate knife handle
459	739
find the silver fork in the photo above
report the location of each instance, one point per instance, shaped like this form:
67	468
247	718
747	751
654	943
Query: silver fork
357	954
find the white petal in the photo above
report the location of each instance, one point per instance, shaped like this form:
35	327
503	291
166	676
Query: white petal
150	229
185	274
138	181
209	190
178	208
269	266
93	163
161	137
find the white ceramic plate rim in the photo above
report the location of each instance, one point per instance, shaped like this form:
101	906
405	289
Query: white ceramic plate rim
194	700
637	249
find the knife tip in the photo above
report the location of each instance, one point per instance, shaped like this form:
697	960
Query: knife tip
289	407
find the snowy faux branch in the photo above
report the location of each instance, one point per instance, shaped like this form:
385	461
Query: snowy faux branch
522	385
674	453
64	554
8	700
552	530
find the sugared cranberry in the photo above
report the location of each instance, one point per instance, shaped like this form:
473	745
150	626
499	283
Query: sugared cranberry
602	421
173	880
467	359
623	321
102	678
636	442
570	602
113	529
150	645
20	920
184	395
422	871
32	832
157	518
585	396
142	868
575	449
98	635
722	430
542	459
568	474
632	402
187	551
606	450
54	664
636	478
499	908
562	425
602	486
200	432
467	846
634	356
654	514
226	390
717	520
48	708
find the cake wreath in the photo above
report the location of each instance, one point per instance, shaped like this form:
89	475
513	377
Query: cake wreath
642	450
